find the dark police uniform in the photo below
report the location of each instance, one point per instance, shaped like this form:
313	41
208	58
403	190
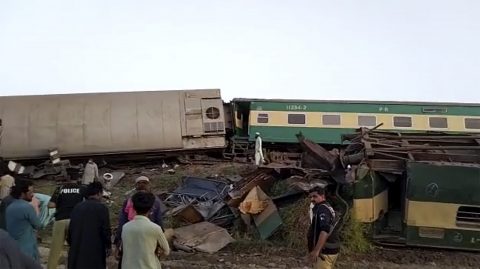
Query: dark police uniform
65	197
324	220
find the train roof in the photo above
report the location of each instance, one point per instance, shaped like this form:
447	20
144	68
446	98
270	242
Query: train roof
108	92
355	102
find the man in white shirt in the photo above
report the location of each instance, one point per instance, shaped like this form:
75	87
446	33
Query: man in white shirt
258	150
143	240
90	173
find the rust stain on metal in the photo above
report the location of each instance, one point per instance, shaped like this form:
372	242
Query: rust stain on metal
386	151
260	177
319	157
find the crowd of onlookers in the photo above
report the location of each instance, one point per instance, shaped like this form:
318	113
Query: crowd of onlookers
81	220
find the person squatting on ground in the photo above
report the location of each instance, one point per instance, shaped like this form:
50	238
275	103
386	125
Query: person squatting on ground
89	231
323	239
64	199
127	212
22	220
90	174
143	240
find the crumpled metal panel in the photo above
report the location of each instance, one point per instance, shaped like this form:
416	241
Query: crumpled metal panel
203	236
260	177
202	189
317	156
268	220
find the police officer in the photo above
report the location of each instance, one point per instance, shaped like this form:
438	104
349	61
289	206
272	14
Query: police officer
323	241
64	199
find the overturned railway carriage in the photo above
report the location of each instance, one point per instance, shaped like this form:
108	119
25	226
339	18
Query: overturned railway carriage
417	189
111	123
411	189
325	121
434	204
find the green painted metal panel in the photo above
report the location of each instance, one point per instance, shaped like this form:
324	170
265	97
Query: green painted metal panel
280	134
268	225
369	186
286	134
380	108
439	182
452	238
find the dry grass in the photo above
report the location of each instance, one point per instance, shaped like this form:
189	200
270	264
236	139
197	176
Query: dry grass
354	237
44	186
293	233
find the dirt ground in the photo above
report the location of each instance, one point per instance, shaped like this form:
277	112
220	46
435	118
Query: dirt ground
379	258
257	255
279	258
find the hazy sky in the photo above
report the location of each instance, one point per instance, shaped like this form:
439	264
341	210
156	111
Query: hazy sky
382	50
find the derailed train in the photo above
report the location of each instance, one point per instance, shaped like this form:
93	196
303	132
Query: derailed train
158	121
111	123
154	121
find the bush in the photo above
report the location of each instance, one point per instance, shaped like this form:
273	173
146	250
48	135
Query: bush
354	239
296	221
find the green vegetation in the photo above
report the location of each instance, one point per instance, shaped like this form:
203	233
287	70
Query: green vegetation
293	232
165	182
229	170
354	238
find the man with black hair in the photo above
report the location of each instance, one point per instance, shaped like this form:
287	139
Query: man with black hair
323	241
141	238
65	197
89	231
22	220
127	212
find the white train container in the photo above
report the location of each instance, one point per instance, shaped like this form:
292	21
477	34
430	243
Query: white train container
110	123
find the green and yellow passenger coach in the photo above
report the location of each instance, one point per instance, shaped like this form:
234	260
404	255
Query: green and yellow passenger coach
433	204
430	204
325	121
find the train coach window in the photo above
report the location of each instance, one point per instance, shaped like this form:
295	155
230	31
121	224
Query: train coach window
262	118
331	119
438	122
212	113
367	121
296	118
402	121
471	123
